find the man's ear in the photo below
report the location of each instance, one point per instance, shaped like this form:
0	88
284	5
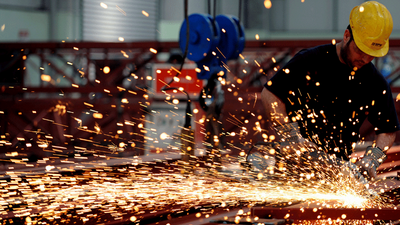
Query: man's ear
346	36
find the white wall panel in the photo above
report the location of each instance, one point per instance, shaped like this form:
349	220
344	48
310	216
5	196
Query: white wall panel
173	10
345	8
34	4
228	7
310	15
121	18
35	25
277	16
393	6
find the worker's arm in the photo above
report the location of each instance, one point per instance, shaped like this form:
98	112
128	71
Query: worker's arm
275	108
375	156
288	132
385	140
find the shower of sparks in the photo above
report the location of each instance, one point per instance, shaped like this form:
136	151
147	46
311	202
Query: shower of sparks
136	188
139	187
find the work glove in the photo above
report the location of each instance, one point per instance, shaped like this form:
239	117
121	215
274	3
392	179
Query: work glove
291	139
350	169
372	159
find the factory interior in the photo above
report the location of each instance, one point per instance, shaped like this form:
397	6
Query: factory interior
150	112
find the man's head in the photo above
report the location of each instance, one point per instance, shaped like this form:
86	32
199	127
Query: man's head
350	53
367	36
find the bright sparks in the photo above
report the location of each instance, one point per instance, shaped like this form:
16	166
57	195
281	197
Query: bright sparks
267	4
106	70
103	5
164	136
152	50
138	189
121	10
46	78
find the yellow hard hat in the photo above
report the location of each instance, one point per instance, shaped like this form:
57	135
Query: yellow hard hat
371	24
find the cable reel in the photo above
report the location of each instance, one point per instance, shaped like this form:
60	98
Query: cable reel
232	36
212	42
204	37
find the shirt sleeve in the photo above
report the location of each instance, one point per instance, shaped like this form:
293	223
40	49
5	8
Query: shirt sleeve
290	79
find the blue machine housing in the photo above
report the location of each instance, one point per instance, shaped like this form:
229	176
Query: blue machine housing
212	42
232	36
204	37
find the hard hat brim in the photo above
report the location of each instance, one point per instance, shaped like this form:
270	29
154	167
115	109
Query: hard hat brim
372	52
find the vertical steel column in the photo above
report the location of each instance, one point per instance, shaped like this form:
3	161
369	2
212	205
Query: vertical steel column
335	16
53	20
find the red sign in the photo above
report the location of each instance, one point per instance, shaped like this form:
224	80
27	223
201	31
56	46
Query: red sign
187	79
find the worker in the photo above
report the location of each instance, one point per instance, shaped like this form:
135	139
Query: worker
321	97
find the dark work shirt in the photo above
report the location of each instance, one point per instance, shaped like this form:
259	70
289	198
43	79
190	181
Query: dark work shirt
330	100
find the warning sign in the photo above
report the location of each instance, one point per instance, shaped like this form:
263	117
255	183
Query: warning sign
186	80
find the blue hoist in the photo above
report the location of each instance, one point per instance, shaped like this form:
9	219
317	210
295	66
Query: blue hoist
211	42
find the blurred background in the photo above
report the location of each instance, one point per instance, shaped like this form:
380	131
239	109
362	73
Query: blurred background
88	20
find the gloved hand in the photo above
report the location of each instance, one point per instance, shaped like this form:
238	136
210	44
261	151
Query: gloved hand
350	169
291	139
372	159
